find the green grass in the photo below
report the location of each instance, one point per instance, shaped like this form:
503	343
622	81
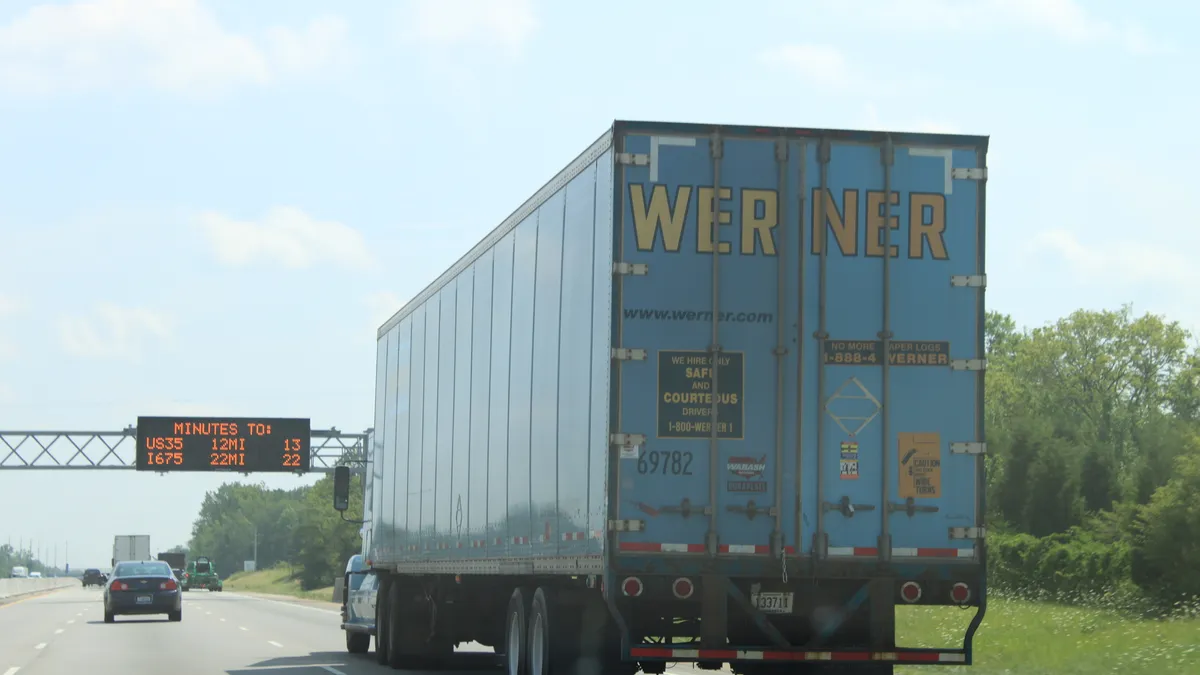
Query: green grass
277	580
1031	638
1021	637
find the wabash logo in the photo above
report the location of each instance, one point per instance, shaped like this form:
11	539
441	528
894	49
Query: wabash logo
747	467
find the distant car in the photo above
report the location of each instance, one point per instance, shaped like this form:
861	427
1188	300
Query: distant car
35	575
93	577
146	587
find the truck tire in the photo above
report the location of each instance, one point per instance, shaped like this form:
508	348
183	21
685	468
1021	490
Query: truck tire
381	621
396	658
516	651
358	643
554	635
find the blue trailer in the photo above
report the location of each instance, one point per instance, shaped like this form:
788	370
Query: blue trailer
598	444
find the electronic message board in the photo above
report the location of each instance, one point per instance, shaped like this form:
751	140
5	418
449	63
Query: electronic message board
239	444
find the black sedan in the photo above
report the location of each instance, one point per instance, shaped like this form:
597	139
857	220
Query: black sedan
93	577
142	588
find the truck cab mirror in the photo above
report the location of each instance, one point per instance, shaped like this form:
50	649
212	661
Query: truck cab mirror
341	488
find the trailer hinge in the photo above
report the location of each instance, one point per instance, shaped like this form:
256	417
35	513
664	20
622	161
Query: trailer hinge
627	354
632	269
964	173
627	440
633	159
626	526
969	280
968	364
968	532
968	448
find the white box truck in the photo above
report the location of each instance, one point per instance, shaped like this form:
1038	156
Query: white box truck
131	547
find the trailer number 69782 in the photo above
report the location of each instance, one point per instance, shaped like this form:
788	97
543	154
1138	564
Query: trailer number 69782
772	603
666	462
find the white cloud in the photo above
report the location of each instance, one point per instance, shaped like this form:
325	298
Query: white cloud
382	305
172	408
288	236
113	332
1065	20
872	119
10	304
503	24
820	64
8	348
1118	261
172	45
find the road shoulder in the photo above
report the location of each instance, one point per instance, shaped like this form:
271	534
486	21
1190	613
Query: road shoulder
291	599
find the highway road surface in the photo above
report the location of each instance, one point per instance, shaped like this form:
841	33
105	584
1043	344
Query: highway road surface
63	633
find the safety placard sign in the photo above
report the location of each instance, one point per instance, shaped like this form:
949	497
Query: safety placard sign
849	461
920	465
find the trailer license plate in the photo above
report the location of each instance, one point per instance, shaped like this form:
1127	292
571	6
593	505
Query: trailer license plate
773	603
144	599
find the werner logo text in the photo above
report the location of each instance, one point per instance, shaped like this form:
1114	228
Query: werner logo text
748	220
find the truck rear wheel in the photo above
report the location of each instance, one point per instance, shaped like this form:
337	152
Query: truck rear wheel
554	635
382	636
358	643
516	653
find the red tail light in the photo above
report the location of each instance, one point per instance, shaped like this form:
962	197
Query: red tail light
683	588
168	585
632	586
120	586
910	591
960	593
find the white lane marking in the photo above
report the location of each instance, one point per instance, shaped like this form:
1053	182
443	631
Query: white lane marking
333	670
71	621
222	619
12	671
288	604
59	631
242	628
40	645
208	613
79	614
274	643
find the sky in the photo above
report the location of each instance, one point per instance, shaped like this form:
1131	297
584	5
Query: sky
207	207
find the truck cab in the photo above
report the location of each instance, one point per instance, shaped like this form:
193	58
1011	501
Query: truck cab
358	604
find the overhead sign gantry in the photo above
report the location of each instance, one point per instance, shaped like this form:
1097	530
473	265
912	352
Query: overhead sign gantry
193	444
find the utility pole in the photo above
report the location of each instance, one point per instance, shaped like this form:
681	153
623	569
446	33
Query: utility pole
255	548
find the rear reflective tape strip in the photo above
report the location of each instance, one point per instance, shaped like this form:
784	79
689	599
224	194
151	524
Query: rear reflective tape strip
870	551
933	553
853	550
756	655
733	549
647	547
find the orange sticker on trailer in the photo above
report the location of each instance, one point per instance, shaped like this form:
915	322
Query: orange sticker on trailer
920	465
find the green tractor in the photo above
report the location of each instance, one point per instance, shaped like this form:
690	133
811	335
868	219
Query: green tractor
202	573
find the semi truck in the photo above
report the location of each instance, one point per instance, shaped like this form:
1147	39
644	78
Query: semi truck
130	547
714	394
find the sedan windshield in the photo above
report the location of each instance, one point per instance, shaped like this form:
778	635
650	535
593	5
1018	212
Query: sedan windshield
142	570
